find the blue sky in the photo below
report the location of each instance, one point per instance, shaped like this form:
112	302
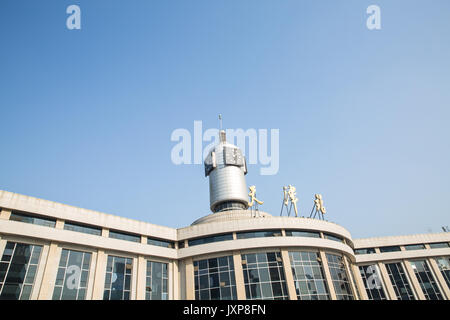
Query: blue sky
86	115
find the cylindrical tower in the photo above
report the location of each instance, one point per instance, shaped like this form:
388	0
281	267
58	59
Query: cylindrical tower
225	165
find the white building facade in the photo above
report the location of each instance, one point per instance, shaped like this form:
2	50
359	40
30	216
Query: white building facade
50	251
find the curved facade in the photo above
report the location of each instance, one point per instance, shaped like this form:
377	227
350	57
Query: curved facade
54	251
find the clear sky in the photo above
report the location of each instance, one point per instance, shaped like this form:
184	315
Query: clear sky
86	115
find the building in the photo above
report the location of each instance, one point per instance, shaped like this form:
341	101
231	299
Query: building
50	250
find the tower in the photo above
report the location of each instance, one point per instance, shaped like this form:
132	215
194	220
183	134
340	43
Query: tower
226	167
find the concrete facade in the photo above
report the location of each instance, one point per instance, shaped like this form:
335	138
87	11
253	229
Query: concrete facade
181	259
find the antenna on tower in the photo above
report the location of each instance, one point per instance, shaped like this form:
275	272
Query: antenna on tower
220	122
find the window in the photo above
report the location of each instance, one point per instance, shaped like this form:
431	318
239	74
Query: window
73	274
425	277
331	237
299	233
160	243
444	265
229	205
124	236
399	281
264	276
82	228
33	219
390	249
439	245
365	251
339	277
118	278
217	238
18	268
156	281
372	282
309	278
414	247
214	279
258	234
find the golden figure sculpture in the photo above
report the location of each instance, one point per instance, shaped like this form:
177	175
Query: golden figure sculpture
319	204
252	195
285	196
293	198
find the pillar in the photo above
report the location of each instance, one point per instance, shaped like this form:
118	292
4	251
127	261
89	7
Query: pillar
288	275
326	270
239	276
50	272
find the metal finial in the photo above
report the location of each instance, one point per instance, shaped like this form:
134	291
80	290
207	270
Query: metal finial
220	122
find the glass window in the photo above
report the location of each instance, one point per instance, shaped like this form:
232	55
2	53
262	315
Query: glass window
258	234
439	245
339	277
160	243
156	281
414	247
214	279
264	276
426	280
229	205
31	218
372	282
365	251
72	276
82	228
309	278
216	238
300	233
18	268
118	278
390	249
124	236
399	281
444	265
332	237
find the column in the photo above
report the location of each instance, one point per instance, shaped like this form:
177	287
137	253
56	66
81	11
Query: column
190	288
90	287
387	282
359	283
59	224
326	270
5	214
351	280
50	271
40	273
134	278
439	278
239	275
2	246
174	281
414	282
288	274
141	278
182	284
99	276
105	232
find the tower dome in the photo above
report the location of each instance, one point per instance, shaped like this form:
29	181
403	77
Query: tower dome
226	167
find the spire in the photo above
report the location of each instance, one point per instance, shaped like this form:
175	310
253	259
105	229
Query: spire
222	134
